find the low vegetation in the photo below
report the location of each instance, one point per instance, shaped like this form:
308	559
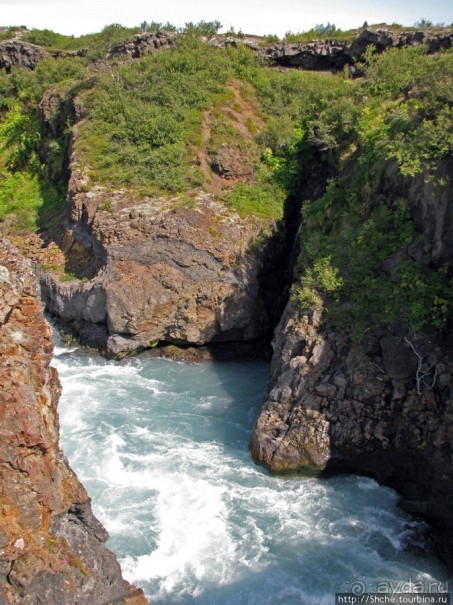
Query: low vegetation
32	161
96	44
353	266
145	130
321	32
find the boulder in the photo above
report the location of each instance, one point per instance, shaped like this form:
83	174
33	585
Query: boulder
15	53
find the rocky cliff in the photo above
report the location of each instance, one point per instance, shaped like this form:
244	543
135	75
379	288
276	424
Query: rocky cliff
334	56
383	406
178	270
52	547
136	269
163	272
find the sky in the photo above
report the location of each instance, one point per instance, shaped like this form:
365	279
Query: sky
259	17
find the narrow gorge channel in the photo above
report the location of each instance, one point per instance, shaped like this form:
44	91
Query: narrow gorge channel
162	448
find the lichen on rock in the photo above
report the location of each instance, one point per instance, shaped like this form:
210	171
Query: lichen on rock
52	549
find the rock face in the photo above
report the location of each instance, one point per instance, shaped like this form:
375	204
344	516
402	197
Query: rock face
331	55
384	409
52	549
15	53
432	211
183	271
167	273
143	44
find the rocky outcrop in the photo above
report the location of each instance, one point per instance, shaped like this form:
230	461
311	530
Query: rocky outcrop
143	44
335	55
15	53
319	55
383	408
252	42
58	111
429	198
168	273
382	39
183	271
52	549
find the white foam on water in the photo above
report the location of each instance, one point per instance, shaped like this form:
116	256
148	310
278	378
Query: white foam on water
162	448
194	545
63	350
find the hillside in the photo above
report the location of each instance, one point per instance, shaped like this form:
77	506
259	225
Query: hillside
197	116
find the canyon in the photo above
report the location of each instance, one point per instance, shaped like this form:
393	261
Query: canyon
52	547
141	271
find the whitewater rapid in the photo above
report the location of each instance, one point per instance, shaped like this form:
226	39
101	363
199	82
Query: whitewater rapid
162	448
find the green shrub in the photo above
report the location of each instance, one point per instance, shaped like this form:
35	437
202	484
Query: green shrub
27	198
144	139
97	43
263	200
319	32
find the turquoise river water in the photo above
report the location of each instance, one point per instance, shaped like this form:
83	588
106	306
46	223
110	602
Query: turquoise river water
162	448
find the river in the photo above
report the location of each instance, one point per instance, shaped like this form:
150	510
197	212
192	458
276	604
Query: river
162	448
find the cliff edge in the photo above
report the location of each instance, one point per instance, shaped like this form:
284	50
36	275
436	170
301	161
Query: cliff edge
380	405
383	408
52	548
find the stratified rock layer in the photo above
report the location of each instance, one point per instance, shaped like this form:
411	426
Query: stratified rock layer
384	409
52	548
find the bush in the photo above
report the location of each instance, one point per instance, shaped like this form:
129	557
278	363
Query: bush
143	138
318	32
264	200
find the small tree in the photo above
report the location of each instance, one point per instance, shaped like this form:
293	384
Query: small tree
203	28
423	23
329	29
156	26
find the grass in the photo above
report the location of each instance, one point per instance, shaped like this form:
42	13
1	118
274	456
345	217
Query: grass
264	199
96	44
6	33
145	129
146	140
27	198
25	194
335	34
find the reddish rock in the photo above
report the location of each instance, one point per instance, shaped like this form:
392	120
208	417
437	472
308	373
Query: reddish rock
52	547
